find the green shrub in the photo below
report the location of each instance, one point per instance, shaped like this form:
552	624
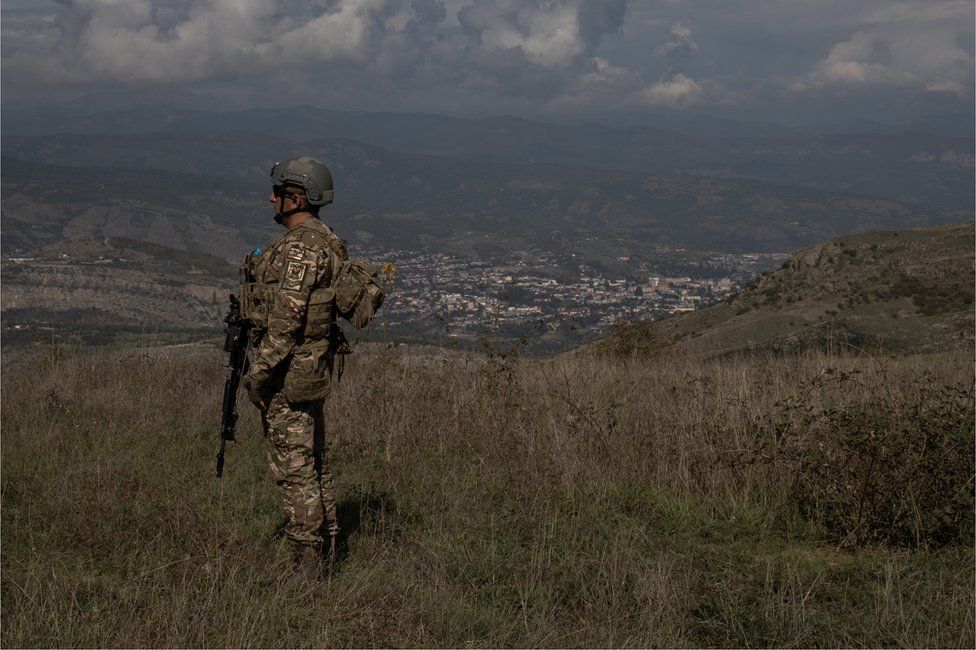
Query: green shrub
635	337
894	471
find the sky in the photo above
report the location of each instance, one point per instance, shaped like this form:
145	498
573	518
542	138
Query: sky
782	60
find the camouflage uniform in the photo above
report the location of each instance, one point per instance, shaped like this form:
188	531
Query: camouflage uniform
288	296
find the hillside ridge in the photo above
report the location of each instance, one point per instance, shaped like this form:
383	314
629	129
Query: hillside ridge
904	291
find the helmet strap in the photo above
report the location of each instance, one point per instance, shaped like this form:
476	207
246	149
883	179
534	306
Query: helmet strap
282	215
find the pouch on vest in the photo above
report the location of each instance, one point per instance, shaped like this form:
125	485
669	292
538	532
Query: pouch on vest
309	374
358	292
255	301
318	318
255	296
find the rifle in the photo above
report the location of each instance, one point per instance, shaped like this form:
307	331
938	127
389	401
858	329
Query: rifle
236	329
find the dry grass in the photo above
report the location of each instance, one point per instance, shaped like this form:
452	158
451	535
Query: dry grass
568	502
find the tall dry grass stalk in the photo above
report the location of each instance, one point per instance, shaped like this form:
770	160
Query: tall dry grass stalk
485	501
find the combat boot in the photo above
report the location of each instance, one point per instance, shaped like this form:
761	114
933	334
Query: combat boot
307	561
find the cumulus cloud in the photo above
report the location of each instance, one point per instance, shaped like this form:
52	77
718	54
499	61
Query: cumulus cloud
681	91
603	84
677	91
552	34
928	59
486	55
149	41
548	38
681	46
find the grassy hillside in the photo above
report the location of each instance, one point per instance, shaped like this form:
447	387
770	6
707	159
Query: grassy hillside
490	501
904	291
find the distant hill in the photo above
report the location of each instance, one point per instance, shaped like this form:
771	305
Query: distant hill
208	193
44	204
98	290
902	291
914	165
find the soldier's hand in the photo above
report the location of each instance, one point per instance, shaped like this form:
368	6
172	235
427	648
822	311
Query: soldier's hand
255	391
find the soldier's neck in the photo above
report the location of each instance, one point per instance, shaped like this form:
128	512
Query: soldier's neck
292	221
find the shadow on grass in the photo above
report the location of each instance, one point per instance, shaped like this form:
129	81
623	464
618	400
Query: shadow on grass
365	512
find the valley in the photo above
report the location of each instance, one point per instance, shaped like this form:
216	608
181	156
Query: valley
133	224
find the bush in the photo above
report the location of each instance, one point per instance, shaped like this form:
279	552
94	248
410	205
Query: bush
771	295
890	470
634	337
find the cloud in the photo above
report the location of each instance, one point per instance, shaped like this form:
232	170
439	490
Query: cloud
604	84
153	41
953	87
917	13
499	55
681	91
678	91
552	34
849	63
927	59
146	41
612	87
680	47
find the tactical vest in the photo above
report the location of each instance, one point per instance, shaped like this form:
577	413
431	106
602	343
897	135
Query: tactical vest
307	372
350	289
261	277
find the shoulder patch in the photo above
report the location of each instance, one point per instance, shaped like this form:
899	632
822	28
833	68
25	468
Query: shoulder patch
294	275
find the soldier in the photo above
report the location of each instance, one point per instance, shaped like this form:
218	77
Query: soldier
289	298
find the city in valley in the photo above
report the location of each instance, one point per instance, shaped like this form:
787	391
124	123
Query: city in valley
96	292
552	296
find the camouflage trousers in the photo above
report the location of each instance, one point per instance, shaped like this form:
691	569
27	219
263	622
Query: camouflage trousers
296	454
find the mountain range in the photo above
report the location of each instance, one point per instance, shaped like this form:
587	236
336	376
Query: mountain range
208	193
921	164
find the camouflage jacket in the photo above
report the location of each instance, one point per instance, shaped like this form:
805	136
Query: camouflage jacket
287	296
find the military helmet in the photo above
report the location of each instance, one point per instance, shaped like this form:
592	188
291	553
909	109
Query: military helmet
307	173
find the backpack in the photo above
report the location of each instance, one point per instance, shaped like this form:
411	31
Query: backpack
358	292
